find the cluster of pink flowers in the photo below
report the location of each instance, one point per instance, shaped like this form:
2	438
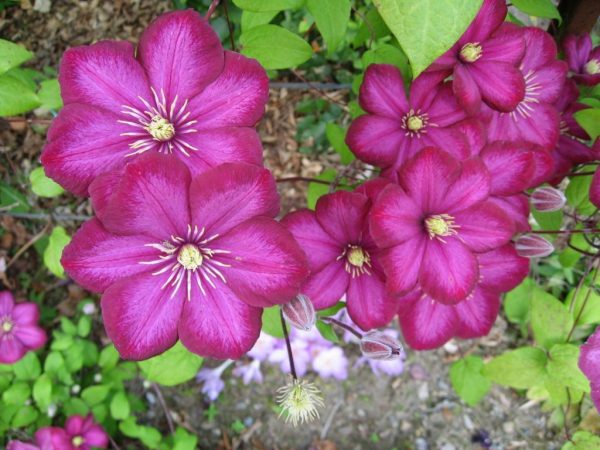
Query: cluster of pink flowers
79	433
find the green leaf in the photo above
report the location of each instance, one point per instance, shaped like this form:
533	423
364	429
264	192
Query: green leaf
271	322
12	55
550	319
119	406
42	391
43	186
467	380
28	368
57	242
591	312
25	416
538	8
76	406
327	331
109	357
94	395
275	47
253	19
548	220
517	303
522	368
49	94
425	29
17	394
389	54
268	5
13	199
373	27
336	136
563	367
16	97
583	440
84	326
160	368
316	190
577	194
589	119
332	18
184	440
331	310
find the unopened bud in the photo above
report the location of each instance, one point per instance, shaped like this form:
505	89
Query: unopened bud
378	345
548	199
300	313
533	246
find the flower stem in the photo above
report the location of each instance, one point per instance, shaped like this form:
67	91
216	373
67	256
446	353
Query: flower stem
211	9
288	345
342	325
585	300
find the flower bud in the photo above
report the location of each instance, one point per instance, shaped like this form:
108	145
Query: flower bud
300	312
548	199
533	246
378	345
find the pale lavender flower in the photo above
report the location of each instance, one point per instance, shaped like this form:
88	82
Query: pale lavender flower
331	363
212	384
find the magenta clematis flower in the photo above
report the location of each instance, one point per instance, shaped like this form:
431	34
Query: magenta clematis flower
189	258
343	258
46	438
571	148
534	119
19	329
583	61
484	61
428	323
595	189
431	226
395	127
178	92
589	363
81	433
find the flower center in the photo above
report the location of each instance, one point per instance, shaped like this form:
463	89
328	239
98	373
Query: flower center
7	326
77	441
189	259
358	260
440	225
415	123
592	67
470	52
160	128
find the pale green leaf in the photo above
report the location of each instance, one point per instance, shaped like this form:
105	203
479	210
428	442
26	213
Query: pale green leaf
42	185
268	5
57	242
563	367
586	309
160	368
589	119
12	55
119	406
538	8
275	47
336	136
550	319
522	368
42	391
271	321
467	380
332	18
16	97
49	94
252	19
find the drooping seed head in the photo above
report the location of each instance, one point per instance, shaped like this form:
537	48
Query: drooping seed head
470	52
300	399
300	313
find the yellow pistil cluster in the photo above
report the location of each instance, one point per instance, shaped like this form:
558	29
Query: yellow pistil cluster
7	326
440	225
592	67
415	123
77	441
470	52
299	399
190	257
358	260
160	128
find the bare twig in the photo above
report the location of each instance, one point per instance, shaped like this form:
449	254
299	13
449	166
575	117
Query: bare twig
330	417
320	91
32	241
47	216
163	404
229	25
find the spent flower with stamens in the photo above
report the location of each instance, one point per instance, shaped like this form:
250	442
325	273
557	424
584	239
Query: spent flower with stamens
300	401
182	257
179	92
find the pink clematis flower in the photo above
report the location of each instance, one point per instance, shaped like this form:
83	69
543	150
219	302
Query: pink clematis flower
429	323
395	127
433	223
178	92
19	329
534	119
343	258
80	433
589	363
189	258
571	148
583	61
484	61
46	438
595	189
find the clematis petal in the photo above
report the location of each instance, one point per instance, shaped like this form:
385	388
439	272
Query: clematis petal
96	258
517	207
230	194
465	89
444	109
327	286
505	45
7	303
425	89
342	215
223	145
95	436
595	189
449	271
502	85
11	351
368	303
427	324
140	317
105	75
320	247
488	19
539	125
540	49
484	227
181	54
589	365
427	177
476	315
376	140
31	336
152	199
551	77
401	264
471	187
267	266
26	313
237	98
510	165
502	269
382	91
219	325
84	142
449	139
394	218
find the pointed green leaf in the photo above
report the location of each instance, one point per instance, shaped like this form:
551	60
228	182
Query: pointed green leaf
275	47
467	380
12	55
175	366
332	18
521	368
550	319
